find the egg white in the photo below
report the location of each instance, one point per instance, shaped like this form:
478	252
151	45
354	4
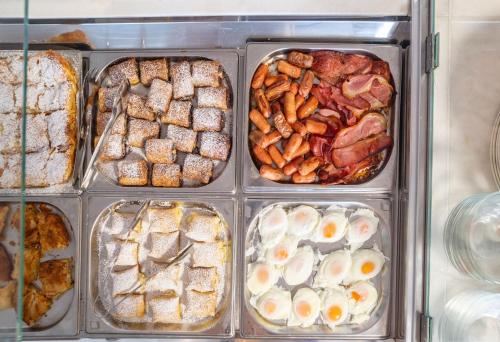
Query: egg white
361	257
338	219
272	226
302	220
298	269
334	297
254	284
304	295
288	244
362	226
280	299
368	300
333	269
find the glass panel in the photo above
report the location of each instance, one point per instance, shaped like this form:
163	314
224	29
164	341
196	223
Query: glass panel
465	111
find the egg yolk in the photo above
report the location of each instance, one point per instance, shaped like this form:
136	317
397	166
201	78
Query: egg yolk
364	227
262	275
334	313
281	253
301	217
303	309
270	307
329	230
357	296
367	267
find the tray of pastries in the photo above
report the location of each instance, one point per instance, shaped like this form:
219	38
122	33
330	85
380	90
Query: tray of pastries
175	125
51	119
162	266
49	266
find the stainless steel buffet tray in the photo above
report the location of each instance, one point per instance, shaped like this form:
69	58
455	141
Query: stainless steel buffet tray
98	321
225	182
385	178
252	325
63	317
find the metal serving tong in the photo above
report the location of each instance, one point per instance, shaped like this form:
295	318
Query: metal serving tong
117	109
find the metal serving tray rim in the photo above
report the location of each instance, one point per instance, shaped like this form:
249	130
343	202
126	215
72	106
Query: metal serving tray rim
385	179
229	59
220	203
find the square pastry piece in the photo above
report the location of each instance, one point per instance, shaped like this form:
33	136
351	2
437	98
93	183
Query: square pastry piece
120	223
184	138
164	246
142	130
55	276
113	148
53	233
202	279
164	220
160	94
215	145
165	309
10	135
160	151
37	133
208	254
60	166
35	305
182	80
156	68
212	97
106	97
179	113
197	168
207	119
199	305
166	175
133	172
166	281
129	307
127	256
126	281
120	126
124	70
203	227
206	73
136	108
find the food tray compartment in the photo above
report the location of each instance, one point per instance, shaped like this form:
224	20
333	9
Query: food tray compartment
75	58
253	325
385	178
98	319
62	319
224	179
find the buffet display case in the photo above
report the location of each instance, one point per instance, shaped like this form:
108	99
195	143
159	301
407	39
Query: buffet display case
99	96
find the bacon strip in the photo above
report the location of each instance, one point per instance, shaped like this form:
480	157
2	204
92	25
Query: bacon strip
355	153
332	66
370	124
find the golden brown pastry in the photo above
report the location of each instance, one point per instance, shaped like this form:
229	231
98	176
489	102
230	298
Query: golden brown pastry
207	119
182	80
129	306
141	130
56	277
160	151
166	175
133	172
151	69
32	258
184	138
179	113
200	305
165	309
136	108
4	211
35	305
197	168
114	148
206	73
106	97
160	94
212	97
124	70
120	126
53	233
8	295
215	145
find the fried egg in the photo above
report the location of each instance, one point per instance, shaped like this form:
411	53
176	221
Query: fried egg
272	226
305	308
335	307
362	297
275	304
362	226
366	264
300	266
333	269
261	277
282	252
331	228
302	220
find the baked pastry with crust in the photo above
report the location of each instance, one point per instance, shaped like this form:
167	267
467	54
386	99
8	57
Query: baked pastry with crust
10	134
133	172
8	295
106	97
141	130
35	305
208	254
6	95
166	175
202	279
215	145
151	69
206	73
120	126
61	128
164	246
160	94
182	80
207	119
127	256
4	212
184	138
129	307
179	113
37	134
164	220
114	148
126	281
203	227
197	168
124	70
56	277
136	108
166	281
160	151
36	168
60	166
32	258
10	170
200	305
214	97
53	233
165	309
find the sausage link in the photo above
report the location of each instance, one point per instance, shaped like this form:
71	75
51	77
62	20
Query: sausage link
288	69
316	127
299	128
259	121
262	155
282	125
276	107
259	76
300	59
271	138
271	173
299	101
290	111
294	88
262	103
309	165
303	149
308	108
306	179
276	156
292	166
277	89
306	83
292	146
272	79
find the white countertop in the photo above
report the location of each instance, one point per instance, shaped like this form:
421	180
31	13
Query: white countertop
176	8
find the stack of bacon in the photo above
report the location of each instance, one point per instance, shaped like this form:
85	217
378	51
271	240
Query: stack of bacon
315	119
